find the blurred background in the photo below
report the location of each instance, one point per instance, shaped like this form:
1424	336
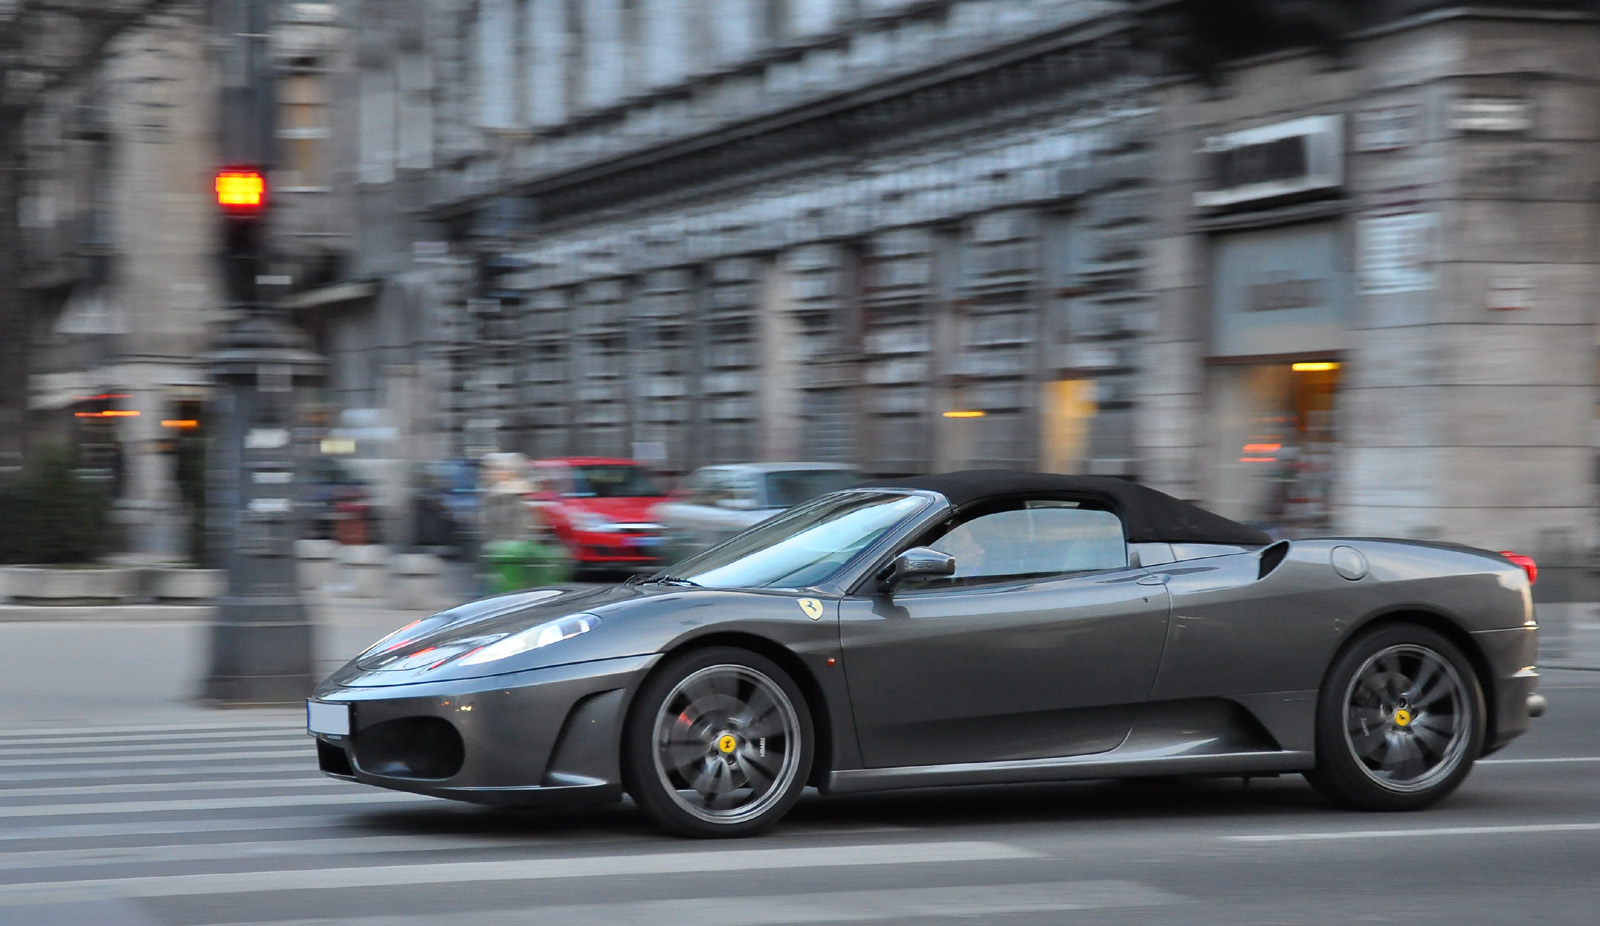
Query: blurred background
1325	267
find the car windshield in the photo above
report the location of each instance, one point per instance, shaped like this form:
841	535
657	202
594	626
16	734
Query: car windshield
790	488
803	546
611	480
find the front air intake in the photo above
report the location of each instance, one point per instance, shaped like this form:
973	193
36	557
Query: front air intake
410	747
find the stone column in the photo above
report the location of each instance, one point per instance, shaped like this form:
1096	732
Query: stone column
662	50
604	55
735	28
497	57
545	79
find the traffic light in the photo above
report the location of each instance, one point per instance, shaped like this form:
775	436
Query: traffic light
242	197
241	191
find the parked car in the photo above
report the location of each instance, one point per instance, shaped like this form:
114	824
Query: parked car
973	628
717	502
599	508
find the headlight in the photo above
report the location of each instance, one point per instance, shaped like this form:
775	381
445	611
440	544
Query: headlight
562	628
472	610
591	523
405	635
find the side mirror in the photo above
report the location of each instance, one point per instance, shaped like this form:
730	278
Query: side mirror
918	561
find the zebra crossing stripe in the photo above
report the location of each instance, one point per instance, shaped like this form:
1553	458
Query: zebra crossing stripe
303	750
176	750
229	851
157	738
264	784
978	903
223	803
288	720
169	771
526	869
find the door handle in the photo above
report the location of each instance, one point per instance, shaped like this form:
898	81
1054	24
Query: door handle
1158	578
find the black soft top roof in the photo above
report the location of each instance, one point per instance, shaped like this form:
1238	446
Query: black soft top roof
1147	515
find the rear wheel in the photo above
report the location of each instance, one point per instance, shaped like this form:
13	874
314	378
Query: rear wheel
718	743
1399	722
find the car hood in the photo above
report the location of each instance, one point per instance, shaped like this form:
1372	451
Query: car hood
427	650
621	510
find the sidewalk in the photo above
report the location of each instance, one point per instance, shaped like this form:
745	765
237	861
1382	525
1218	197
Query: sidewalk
120	669
1569	635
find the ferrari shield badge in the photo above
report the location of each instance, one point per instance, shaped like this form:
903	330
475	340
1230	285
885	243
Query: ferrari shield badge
812	607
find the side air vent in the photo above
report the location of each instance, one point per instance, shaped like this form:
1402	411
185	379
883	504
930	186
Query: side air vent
1271	557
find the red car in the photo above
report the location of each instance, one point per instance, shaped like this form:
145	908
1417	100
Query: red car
600	509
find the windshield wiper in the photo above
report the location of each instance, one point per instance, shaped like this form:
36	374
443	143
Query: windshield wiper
671	580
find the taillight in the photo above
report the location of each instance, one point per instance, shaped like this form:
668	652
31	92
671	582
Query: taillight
1526	562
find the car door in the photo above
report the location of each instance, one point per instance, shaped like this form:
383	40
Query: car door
1044	644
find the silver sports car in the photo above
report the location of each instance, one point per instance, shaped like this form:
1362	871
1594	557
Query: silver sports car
975	627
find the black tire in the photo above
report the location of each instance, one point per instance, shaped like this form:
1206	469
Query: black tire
718	743
1400	720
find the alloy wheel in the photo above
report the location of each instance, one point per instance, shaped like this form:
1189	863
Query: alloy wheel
726	744
1408	718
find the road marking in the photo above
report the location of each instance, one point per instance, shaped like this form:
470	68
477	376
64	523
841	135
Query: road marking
288	721
1507	830
169	828
527	869
171	786
978	903
157	739
173	750
193	852
466	819
1552	760
221	803
169	771
152	759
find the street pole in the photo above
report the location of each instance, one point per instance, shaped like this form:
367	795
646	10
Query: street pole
261	639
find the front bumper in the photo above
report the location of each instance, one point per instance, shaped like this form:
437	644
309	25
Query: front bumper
541	737
617	549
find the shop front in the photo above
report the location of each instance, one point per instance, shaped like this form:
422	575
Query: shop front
1279	302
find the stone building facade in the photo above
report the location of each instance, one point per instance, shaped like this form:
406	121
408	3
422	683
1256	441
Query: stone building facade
902	234
1375	268
1324	266
118	281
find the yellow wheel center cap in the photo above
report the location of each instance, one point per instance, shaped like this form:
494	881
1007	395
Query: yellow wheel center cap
1402	717
727	743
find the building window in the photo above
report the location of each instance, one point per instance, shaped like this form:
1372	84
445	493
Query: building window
303	129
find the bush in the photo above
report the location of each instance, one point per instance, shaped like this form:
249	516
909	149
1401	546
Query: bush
50	515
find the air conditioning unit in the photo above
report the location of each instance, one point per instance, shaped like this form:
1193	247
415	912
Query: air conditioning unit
1301	158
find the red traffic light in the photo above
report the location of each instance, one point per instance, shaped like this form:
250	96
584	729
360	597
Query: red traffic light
241	190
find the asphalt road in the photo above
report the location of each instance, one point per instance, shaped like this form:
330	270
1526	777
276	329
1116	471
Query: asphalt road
219	818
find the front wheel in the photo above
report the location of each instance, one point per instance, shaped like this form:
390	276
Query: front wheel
1399	722
718	743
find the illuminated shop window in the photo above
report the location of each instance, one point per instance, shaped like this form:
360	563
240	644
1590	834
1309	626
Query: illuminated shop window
1274	463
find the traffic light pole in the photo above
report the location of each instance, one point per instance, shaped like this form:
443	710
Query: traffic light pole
261	641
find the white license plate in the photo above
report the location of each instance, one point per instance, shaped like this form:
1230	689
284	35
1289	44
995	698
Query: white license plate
331	718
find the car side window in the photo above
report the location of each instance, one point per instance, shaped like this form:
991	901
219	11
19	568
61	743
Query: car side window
1032	542
714	487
